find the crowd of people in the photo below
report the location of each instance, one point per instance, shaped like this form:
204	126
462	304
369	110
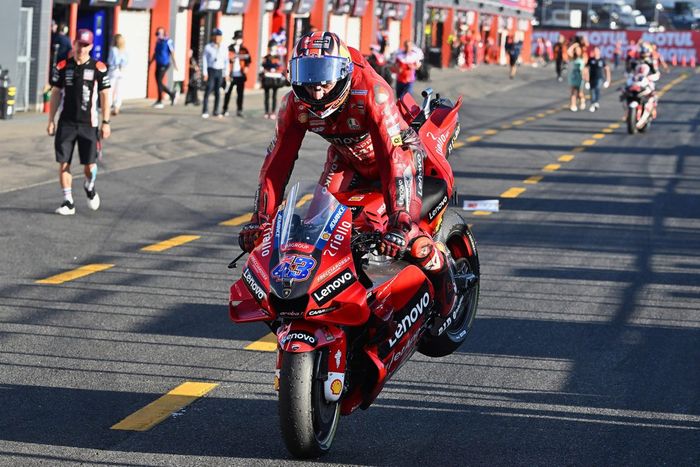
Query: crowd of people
589	70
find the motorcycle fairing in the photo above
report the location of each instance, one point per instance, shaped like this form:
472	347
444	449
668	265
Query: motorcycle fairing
410	294
304	336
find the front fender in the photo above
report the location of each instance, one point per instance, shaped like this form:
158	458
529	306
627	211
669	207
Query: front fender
303	336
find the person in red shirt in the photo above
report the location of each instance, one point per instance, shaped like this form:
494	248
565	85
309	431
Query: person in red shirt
337	95
408	60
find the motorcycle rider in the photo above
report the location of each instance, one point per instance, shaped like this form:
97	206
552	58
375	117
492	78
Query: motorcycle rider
337	94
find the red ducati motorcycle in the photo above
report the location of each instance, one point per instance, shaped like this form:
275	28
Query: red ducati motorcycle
347	318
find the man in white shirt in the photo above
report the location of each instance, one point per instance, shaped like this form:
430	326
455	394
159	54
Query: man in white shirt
214	71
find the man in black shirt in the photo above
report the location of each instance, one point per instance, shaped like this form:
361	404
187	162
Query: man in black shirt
76	82
597	67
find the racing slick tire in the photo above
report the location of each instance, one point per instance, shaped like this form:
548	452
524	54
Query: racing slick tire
457	236
307	420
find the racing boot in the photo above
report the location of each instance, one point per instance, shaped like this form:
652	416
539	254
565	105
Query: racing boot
433	262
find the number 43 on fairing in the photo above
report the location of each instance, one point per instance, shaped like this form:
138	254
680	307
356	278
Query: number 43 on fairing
294	267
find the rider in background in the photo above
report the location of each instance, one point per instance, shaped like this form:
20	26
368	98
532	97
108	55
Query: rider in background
337	94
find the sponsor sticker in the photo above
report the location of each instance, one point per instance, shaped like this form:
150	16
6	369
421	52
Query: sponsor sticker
334	287
303	117
254	285
88	75
353	124
356	198
336	387
396	141
321	311
299	336
380	95
358	92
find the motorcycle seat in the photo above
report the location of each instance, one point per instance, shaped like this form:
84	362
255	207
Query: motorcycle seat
434	191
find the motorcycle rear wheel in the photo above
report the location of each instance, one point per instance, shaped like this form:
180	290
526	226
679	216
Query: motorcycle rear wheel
454	233
307	420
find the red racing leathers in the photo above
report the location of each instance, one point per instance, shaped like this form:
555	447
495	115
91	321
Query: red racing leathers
367	139
369	142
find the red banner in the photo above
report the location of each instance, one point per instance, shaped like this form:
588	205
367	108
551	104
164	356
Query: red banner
679	43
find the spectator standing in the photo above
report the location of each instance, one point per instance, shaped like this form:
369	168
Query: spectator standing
280	38
598	75
239	60
194	81
215	70
513	50
617	53
408	60
560	57
117	62
75	81
631	57
468	45
577	78
549	52
272	79
60	43
163	55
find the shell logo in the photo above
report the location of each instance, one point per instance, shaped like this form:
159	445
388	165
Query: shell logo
336	387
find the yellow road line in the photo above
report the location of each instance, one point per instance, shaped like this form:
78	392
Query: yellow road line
551	167
473	139
566	158
459	144
160	409
242	219
518	122
482	213
513	192
506	127
304	199
614	126
173	242
578	149
82	271
530	119
608	130
490	132
598	136
267	343
589	142
541	115
533	179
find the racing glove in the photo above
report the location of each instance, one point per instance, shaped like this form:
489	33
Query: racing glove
395	240
250	233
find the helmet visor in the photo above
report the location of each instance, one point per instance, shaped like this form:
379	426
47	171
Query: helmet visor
318	70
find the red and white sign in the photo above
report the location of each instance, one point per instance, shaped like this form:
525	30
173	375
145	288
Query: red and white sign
679	43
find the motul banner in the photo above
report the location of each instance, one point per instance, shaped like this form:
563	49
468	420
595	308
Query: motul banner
679	43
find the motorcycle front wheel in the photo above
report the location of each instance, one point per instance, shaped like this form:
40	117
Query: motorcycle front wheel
631	120
307	420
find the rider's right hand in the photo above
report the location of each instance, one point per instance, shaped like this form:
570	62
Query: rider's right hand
249	234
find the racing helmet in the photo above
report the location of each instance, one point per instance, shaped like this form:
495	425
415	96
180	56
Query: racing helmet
321	58
645	50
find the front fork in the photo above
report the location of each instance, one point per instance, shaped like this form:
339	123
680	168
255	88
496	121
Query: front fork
303	336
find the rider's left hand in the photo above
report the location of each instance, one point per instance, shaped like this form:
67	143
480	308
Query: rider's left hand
606	84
